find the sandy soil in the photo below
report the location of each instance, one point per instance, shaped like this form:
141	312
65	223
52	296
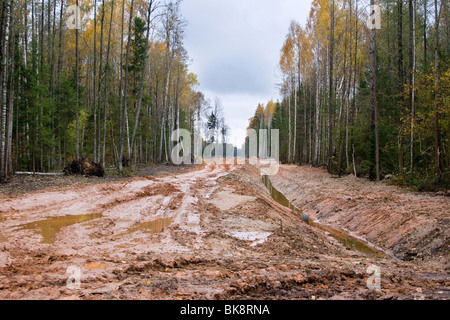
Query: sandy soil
211	232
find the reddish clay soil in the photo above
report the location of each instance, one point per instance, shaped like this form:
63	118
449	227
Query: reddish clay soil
211	232
411	226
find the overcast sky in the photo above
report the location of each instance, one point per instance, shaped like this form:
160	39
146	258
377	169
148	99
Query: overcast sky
235	48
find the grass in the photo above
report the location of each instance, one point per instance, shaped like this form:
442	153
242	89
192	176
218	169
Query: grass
423	183
126	171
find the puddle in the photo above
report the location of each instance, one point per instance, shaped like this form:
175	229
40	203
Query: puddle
226	199
277	195
154	226
50	227
345	239
348	241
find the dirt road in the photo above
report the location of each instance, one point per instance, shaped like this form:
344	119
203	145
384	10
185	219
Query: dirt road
211	232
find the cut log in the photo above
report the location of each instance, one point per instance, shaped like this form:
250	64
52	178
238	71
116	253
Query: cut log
20	173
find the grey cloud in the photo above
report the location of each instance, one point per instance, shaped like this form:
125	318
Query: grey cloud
236	75
235	46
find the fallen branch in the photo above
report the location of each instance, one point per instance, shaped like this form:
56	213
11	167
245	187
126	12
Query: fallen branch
20	173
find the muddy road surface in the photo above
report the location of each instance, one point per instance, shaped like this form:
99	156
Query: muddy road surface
210	232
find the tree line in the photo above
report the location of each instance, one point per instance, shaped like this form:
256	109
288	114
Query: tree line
366	101
111	83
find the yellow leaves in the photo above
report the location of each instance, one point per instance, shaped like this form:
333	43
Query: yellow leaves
319	21
270	108
192	79
258	119
159	47
263	115
287	56
269	112
306	45
260	109
296	53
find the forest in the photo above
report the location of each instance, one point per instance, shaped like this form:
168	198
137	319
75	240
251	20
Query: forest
108	80
373	102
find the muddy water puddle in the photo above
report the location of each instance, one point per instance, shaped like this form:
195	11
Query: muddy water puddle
342	237
277	195
349	241
50	227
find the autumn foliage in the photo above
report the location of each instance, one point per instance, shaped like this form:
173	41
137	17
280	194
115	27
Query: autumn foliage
325	98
